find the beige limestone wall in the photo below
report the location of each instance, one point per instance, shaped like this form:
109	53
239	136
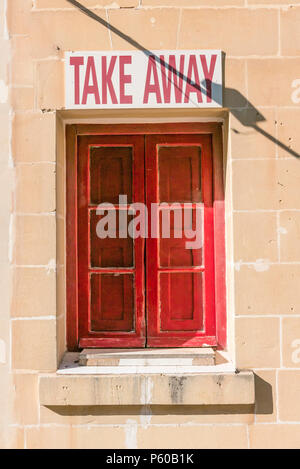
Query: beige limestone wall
9	436
262	45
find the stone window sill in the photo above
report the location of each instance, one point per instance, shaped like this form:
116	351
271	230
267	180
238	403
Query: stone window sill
74	385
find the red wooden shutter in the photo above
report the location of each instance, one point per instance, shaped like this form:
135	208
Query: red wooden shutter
185	288
180	281
110	270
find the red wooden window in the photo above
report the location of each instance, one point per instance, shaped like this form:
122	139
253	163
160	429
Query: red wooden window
180	293
149	291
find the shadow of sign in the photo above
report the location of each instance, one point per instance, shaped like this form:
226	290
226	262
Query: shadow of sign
251	118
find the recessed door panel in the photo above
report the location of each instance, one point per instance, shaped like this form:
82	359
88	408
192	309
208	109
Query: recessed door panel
110	174
179	173
181	236
112	302
181	301
115	250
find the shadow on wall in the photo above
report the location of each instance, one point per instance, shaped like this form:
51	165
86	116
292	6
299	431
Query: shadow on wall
263	397
186	411
243	110
250	117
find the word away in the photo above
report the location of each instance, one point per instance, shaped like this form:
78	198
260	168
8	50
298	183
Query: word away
139	80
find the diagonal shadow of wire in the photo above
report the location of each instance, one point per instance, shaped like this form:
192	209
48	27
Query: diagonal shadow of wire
232	95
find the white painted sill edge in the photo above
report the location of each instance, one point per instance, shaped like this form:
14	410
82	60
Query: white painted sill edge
70	366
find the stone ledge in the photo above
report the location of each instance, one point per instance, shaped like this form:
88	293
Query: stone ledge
127	390
147	357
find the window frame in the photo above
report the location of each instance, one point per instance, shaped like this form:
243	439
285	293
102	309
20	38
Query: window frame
73	132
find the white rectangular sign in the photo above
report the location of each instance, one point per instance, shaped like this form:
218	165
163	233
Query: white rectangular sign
136	79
